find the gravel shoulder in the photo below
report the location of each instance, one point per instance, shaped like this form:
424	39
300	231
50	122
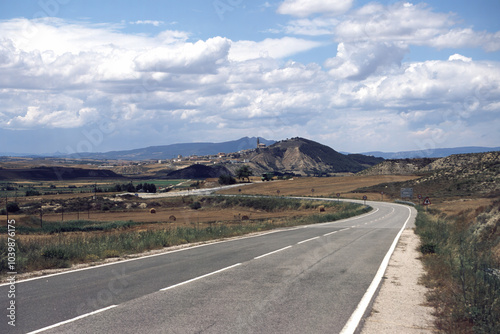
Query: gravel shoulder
400	306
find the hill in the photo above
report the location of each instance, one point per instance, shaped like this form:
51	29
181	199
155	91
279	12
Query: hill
399	167
434	153
195	172
460	175
56	173
306	157
173	150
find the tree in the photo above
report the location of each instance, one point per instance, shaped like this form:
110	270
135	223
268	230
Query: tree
149	187
244	172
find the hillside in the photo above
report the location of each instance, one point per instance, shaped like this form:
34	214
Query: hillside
195	172
399	167
306	157
460	175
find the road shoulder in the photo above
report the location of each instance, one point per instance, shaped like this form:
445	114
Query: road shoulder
400	306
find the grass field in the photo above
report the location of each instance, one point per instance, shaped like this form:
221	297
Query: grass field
19	188
326	187
62	244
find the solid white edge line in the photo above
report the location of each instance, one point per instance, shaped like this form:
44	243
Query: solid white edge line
71	320
301	242
353	322
200	277
167	252
276	251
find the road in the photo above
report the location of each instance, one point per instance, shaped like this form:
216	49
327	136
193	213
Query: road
307	279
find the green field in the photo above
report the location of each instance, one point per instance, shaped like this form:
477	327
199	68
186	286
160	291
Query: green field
14	189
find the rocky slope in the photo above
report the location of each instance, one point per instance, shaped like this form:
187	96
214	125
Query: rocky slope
456	175
306	157
399	167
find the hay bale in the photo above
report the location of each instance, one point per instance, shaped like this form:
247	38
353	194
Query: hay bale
321	208
153	210
172	218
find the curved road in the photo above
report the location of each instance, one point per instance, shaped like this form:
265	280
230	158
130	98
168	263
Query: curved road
307	279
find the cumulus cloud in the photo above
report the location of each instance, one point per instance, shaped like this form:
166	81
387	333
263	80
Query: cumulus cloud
466	38
183	90
357	61
413	25
200	57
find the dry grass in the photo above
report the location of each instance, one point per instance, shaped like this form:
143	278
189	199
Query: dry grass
183	215
455	207
328	186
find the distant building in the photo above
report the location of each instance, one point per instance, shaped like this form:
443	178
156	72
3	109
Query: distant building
259	145
221	155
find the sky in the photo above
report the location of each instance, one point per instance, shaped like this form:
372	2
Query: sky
96	76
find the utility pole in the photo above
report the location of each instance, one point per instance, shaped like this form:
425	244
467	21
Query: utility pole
7	208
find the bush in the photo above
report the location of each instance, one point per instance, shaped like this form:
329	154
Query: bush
13	207
195	205
32	192
463	272
226	180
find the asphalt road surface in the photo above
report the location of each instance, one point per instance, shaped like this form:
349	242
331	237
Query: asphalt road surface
307	279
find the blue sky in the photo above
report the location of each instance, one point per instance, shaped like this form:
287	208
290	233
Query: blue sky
355	75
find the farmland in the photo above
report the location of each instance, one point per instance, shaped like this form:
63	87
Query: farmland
83	221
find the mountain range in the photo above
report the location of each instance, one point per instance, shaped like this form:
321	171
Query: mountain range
432	153
174	150
207	148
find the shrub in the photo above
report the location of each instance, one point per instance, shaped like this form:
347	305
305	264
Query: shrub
32	192
13	207
195	205
226	180
463	271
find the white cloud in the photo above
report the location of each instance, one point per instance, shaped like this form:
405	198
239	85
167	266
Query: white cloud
359	60
366	98
270	47
467	38
35	117
304	8
413	25
200	57
456	56
151	22
311	27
